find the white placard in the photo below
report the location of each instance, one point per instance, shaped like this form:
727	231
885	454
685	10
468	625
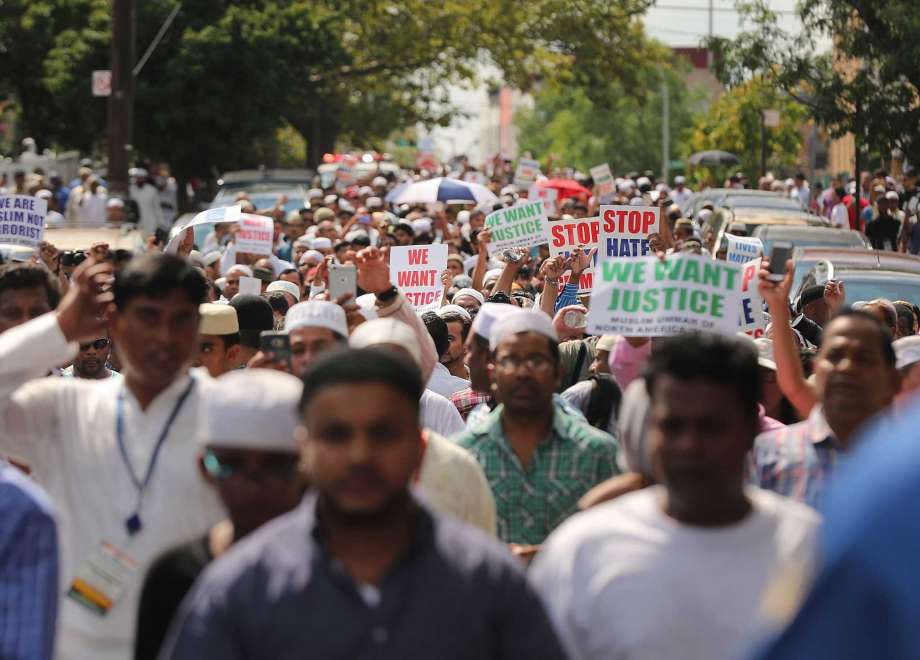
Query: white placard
563	236
742	249
546	195
255	234
416	271
250	286
751	319
526	173
209	217
624	230
516	226
22	220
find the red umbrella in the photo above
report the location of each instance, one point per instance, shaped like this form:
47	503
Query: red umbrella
566	188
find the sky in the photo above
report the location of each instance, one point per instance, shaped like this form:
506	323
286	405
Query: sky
676	23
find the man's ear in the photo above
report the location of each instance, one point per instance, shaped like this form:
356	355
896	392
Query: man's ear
233	354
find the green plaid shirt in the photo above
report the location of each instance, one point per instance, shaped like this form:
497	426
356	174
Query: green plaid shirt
531	503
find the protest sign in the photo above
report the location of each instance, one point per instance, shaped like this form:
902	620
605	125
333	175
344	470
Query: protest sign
751	319
520	225
564	236
624	230
647	297
22	220
255	234
546	195
209	217
472	176
742	249
250	286
603	179
417	269
526	173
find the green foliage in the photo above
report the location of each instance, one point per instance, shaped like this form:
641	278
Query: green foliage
867	84
621	127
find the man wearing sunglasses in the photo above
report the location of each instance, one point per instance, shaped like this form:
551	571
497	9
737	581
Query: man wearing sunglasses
250	456
91	361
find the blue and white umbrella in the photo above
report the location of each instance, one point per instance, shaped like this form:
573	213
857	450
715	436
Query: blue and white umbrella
444	190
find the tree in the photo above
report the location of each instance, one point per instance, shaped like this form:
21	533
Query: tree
733	124
622	128
867	84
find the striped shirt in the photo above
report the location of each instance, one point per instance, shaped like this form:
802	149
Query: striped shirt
530	502
797	461
28	569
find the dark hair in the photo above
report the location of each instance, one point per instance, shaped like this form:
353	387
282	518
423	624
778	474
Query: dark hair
726	361
156	276
17	276
905	310
456	317
278	301
885	338
363	365
288	271
437	328
255	315
499	297
840	192
230	340
404	227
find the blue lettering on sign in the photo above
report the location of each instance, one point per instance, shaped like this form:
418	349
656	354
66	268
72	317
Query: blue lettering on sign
747	311
627	247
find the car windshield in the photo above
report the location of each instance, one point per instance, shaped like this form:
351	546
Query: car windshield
828	238
761	202
893	286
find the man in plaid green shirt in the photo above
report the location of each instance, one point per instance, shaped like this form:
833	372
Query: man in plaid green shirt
538	459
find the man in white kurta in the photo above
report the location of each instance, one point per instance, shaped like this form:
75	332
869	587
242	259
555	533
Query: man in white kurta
65	430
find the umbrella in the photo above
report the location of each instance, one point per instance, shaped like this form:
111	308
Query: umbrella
565	188
445	190
713	158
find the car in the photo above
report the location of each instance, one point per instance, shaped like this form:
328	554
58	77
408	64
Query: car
126	237
739	197
264	188
810	236
716	225
866	274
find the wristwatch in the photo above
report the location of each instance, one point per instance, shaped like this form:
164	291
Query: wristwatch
388	295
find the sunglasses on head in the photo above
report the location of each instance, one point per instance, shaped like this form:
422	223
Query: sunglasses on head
99	344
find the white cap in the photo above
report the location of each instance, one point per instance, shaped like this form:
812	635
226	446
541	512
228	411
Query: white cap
367	303
321	243
44	193
456	309
284	286
387	331
421	226
509	190
140	171
379	182
679	180
472	293
522	321
637	201
907	351
373	203
355	233
892	195
346	206
643	181
317	314
702	214
330	199
217	319
463	217
492	274
365	191
311	257
304	240
112	203
220	282
765	353
315	193
241	269
211	257
251	409
489	314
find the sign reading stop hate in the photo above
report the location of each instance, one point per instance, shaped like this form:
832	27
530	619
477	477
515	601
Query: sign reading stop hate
624	230
565	236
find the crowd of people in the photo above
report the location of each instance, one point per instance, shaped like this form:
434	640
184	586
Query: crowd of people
194	472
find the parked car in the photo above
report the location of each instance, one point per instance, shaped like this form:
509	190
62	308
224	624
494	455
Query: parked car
810	236
738	197
716	225
866	274
265	187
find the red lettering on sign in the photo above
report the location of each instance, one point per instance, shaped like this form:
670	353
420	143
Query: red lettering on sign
418	257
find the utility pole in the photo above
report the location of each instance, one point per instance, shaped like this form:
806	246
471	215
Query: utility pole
121	101
763	144
709	50
665	131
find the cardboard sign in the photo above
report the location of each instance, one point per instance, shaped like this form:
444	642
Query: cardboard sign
546	195
751	320
646	297
520	225
564	236
209	217
250	286
416	270
624	230
255	234
472	176
742	249
526	173
603	179
22	220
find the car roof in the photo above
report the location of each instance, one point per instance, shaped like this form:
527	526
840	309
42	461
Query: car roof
757	216
857	258
82	238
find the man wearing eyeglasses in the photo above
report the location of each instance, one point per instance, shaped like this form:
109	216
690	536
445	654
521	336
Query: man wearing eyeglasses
538	459
91	361
250	456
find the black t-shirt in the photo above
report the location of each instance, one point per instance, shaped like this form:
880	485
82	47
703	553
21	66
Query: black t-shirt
883	233
168	581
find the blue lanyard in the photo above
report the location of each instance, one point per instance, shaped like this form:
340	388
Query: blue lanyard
133	523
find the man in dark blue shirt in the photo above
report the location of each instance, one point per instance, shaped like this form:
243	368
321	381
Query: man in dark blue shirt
361	569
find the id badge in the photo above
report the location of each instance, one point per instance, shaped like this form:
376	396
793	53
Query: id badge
102	578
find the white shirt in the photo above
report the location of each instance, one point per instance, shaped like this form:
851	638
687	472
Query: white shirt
64	429
91	208
439	414
452	482
840	216
445	383
148	207
680	197
623	580
803	194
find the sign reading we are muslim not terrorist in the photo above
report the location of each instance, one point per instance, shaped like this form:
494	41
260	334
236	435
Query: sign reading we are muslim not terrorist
22	220
647	297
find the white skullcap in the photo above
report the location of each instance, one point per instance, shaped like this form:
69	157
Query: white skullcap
365	191
489	314
321	243
355	233
112	203
304	240
702	214
492	274
44	193
194	258
907	351
625	186
456	309
317	314
311	257
765	353
643	181
210	258
285	287
379	182
368	305
140	171
251	409
373	203
892	196
315	193
679	179
217	319
509	190
522	321
220	282
387	331
472	293
421	226
637	201
241	269
330	199
345	205
463	217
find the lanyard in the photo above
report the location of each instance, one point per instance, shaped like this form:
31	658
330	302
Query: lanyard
133	523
